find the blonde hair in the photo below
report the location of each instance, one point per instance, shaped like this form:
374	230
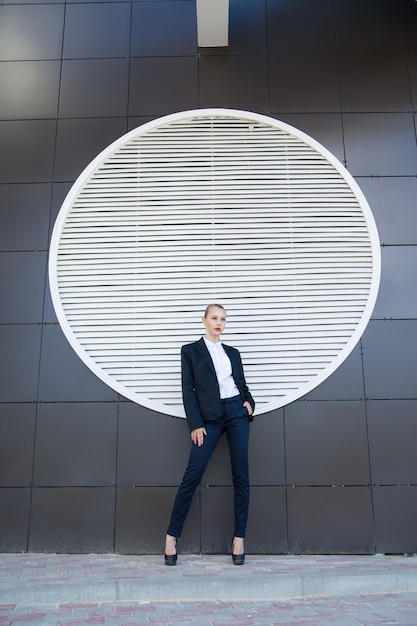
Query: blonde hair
212	306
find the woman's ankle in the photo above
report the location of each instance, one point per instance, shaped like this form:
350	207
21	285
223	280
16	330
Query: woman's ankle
170	545
238	545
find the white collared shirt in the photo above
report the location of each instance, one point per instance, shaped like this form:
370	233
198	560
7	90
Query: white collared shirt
223	368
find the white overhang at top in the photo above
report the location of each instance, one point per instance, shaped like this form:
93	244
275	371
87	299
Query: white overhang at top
212	23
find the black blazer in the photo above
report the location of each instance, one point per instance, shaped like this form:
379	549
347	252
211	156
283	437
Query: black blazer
200	388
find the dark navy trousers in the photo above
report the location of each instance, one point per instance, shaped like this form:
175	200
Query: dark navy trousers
235	423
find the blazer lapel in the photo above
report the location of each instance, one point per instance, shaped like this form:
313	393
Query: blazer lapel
203	350
231	354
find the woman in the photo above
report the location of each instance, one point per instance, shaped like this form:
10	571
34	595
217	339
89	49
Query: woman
216	400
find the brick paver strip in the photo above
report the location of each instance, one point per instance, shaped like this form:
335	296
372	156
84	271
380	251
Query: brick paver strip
257	594
361	610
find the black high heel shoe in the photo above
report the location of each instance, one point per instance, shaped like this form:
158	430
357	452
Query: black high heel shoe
171	559
238	559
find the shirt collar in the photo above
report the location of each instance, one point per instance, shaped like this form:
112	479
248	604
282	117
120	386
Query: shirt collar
211	344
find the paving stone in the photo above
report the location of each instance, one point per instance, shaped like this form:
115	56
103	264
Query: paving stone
63	590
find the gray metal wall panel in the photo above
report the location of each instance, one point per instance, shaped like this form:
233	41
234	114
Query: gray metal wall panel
102	473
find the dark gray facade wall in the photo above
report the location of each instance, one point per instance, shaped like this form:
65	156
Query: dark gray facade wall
82	470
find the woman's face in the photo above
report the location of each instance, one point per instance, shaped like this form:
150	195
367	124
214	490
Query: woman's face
215	321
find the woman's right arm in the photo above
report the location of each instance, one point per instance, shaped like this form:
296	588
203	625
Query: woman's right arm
189	398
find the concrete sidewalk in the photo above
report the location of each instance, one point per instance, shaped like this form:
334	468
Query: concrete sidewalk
39	578
44	587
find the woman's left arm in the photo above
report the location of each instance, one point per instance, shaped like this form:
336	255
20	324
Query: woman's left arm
248	402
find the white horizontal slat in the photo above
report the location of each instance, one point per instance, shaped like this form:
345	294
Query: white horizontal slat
214	205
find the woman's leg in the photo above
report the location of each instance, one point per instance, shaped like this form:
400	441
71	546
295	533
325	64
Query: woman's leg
197	463
237	429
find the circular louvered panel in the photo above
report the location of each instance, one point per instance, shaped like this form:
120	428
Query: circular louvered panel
214	206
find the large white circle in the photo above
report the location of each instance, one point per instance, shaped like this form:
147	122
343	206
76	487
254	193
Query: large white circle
214	205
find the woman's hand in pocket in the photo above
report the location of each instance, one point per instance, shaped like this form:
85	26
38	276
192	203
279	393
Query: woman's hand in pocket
248	407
